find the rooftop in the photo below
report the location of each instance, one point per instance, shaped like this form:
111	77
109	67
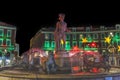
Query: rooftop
6	24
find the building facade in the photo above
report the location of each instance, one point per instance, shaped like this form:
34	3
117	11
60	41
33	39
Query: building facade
102	39
7	43
95	38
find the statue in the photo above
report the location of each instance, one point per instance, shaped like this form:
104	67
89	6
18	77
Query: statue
59	34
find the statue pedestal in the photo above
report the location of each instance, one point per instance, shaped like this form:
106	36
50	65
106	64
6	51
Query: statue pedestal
62	59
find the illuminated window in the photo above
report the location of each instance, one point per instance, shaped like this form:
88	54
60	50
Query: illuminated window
80	44
74	43
117	34
67	44
47	36
1	41
89	38
47	44
80	37
8	33
8	42
118	42
53	44
1	32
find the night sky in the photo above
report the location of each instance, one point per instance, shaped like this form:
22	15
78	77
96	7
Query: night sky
29	17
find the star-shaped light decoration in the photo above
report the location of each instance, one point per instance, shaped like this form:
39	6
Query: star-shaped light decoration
118	47
62	42
107	39
84	40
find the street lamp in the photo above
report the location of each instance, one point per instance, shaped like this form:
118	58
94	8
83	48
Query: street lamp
112	48
111	34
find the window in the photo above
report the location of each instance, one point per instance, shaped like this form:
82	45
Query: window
47	36
118	43
87	29
89	38
80	36
74	43
7	55
74	36
8	33
1	32
67	36
102	36
53	44
117	34
117	26
8	42
74	29
67	44
102	27
95	36
52	36
103	44
80	44
88	35
46	44
1	41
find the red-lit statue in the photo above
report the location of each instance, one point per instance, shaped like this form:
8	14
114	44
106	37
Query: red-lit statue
61	28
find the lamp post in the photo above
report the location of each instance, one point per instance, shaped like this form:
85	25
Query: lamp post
112	48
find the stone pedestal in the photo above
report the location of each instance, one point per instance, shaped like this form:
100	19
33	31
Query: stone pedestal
61	58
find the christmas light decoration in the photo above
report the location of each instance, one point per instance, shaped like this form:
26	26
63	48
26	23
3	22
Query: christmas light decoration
84	40
107	40
118	47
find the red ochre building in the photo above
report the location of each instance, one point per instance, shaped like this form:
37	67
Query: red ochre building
103	39
8	43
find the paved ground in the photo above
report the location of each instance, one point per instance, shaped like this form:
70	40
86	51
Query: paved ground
21	74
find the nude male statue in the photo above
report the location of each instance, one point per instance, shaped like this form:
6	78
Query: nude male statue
61	28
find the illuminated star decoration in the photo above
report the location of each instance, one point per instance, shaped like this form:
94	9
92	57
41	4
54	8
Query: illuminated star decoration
84	40
107	39
62	42
118	47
